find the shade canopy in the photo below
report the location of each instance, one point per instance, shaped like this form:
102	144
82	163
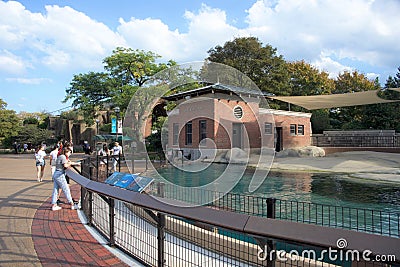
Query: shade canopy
336	100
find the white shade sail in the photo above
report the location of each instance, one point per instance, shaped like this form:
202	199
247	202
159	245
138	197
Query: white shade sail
336	100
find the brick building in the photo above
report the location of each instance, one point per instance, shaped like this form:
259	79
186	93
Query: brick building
222	117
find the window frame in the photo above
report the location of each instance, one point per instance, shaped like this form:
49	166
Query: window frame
202	130
270	130
293	129
175	134
189	135
300	132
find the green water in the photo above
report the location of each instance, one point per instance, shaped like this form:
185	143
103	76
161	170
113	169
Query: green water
324	188
330	199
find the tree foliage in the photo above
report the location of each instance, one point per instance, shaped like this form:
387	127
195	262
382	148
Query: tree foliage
125	70
260	63
9	122
350	117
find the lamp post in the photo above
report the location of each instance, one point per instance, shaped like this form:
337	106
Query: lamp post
117	111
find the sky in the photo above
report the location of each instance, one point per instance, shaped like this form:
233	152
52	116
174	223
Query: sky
44	43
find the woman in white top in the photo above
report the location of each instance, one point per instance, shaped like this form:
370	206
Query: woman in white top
115	152
53	157
40	156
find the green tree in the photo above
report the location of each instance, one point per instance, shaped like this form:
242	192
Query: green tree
90	92
33	134
350	117
349	82
260	63
308	80
9	122
125	70
385	116
31	120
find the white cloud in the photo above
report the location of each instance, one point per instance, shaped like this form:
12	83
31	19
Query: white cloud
61	38
206	29
324	32
10	63
327	64
360	30
30	81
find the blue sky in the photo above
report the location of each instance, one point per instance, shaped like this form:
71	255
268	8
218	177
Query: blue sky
43	43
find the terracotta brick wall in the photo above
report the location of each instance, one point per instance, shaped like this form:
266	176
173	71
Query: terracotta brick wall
218	112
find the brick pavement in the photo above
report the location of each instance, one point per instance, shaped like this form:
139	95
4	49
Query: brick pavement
61	239
31	234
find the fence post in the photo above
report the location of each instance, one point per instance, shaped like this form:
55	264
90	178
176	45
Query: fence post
160	239
90	208
89	169
97	167
119	162
271	213
111	206
107	166
271	208
160	189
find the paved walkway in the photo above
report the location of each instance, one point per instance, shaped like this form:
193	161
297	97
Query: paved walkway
33	235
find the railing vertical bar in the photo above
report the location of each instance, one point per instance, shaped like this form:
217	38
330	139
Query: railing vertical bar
111	211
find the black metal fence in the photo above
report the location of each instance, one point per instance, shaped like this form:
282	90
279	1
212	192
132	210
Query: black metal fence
158	232
355	141
356	219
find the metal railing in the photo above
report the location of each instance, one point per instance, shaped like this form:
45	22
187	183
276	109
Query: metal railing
160	232
356	219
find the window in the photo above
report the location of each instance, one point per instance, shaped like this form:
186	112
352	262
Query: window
268	128
300	129
238	112
202	129
293	129
175	134
188	133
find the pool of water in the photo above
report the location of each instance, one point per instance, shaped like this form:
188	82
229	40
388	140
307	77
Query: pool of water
323	188
330	199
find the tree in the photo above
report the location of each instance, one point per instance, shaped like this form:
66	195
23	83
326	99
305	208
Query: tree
350	117
385	115
9	122
308	80
33	134
260	63
349	82
125	70
91	92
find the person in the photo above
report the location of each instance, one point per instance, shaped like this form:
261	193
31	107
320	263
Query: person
71	146
86	147
104	151
103	154
65	145
53	156
116	151
25	147
15	146
62	163
40	156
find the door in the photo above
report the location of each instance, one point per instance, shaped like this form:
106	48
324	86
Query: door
278	139
237	135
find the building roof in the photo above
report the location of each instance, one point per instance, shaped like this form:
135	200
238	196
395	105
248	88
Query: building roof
217	88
